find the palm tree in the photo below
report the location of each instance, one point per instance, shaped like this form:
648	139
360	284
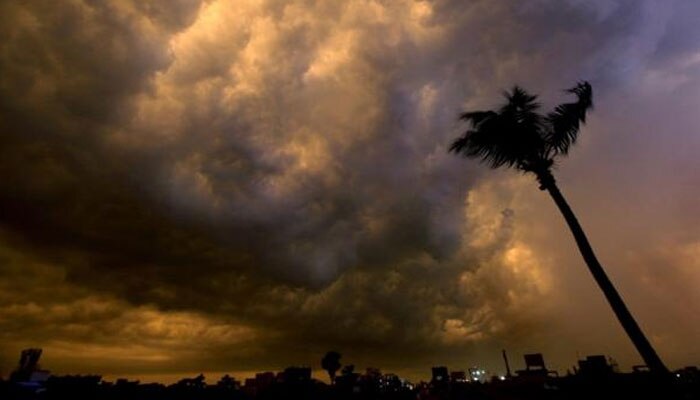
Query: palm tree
331	363
518	136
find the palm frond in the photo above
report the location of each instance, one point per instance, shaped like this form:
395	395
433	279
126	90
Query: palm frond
476	117
518	99
460	144
566	119
511	137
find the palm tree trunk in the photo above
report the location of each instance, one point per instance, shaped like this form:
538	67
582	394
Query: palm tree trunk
623	315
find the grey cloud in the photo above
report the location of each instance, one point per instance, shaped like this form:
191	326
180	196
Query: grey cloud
282	165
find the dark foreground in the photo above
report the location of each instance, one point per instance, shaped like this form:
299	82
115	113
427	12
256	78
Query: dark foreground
612	386
594	378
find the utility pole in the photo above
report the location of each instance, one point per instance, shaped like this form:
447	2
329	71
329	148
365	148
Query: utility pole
505	358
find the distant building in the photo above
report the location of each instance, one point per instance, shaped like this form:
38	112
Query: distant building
264	379
595	366
477	374
249	387
296	375
261	382
193	383
28	371
372	373
688	375
458	376
440	375
534	367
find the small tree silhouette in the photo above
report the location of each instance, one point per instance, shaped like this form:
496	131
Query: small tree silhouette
331	363
517	136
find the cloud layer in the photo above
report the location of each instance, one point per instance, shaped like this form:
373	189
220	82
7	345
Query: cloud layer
237	185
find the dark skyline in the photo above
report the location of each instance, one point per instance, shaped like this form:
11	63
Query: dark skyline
240	186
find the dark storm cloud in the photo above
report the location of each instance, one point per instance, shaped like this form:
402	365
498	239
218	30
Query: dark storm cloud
276	172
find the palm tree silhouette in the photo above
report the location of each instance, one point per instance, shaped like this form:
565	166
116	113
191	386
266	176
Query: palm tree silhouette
331	363
517	136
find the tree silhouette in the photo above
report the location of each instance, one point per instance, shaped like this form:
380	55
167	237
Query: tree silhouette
331	363
517	136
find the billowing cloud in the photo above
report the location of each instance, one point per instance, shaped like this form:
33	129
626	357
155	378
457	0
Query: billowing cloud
239	185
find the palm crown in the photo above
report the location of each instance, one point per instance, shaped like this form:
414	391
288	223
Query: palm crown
518	136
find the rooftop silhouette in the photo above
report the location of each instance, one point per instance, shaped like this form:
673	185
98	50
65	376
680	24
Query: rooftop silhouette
594	377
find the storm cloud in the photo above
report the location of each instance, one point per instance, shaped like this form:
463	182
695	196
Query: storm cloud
238	185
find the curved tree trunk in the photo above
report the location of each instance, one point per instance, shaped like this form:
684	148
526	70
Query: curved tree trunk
640	341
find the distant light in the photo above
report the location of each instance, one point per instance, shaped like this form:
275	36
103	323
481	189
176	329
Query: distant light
678	375
503	378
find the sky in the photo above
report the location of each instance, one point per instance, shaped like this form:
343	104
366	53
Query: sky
233	186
